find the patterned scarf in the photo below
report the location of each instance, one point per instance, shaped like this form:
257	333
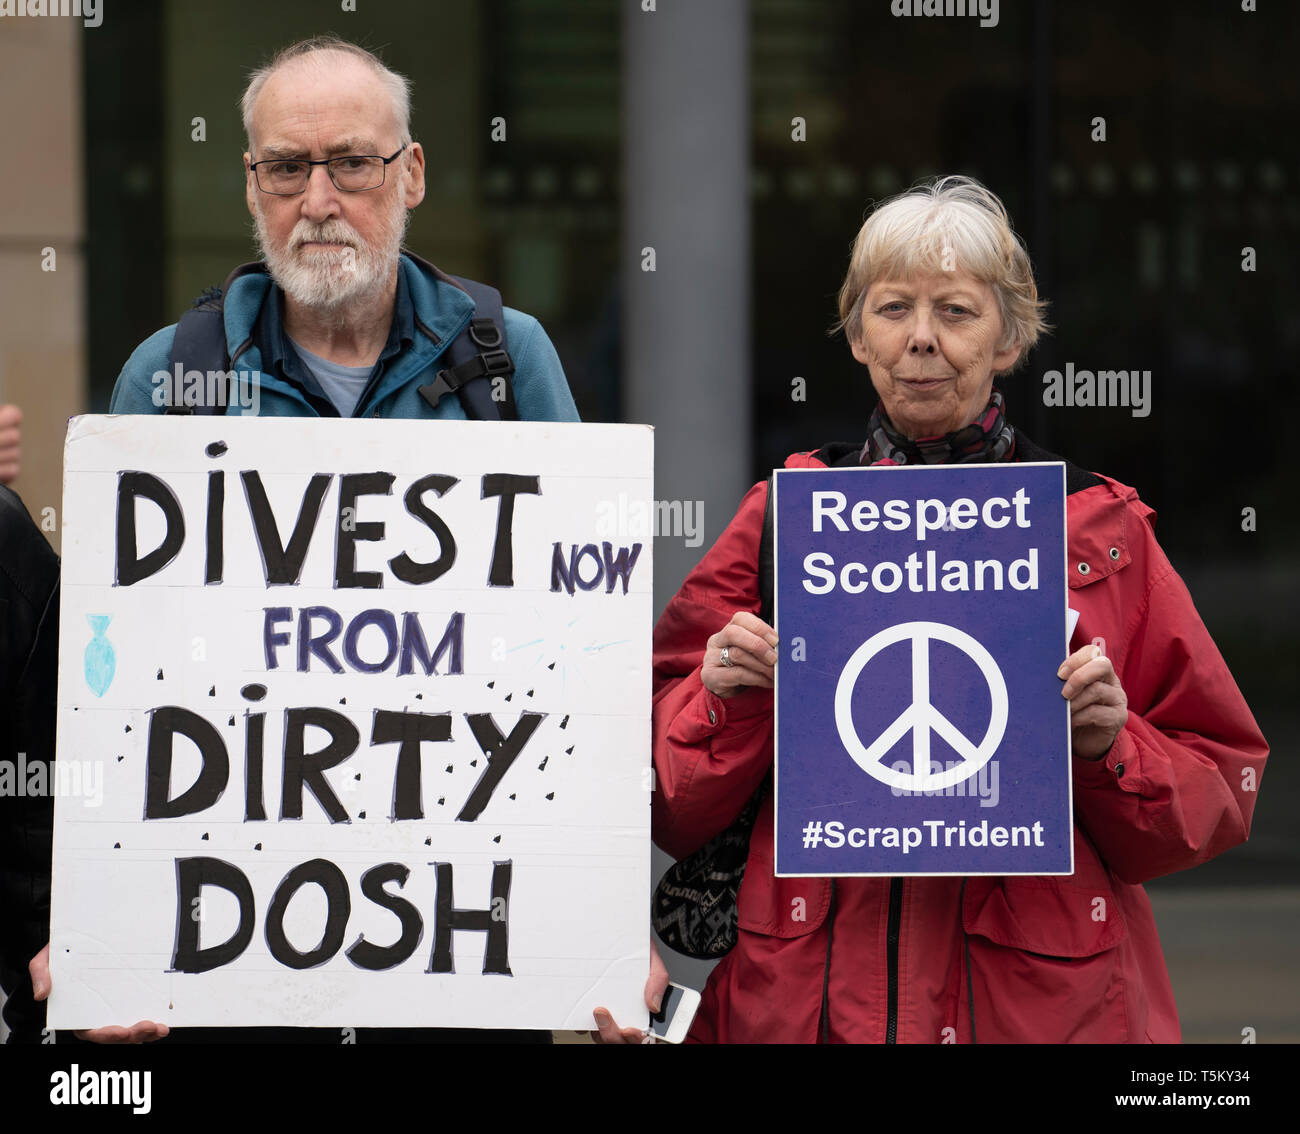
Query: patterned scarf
988	439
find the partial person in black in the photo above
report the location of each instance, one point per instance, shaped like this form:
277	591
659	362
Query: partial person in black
29	632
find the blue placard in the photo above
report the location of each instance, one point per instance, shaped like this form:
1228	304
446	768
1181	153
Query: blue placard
922	618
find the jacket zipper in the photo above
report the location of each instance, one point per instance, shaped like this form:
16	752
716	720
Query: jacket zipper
970	980
891	956
826	977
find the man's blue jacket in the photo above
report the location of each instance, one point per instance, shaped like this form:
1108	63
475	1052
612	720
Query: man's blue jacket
441	311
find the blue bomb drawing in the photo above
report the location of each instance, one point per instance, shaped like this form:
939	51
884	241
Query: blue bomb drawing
101	660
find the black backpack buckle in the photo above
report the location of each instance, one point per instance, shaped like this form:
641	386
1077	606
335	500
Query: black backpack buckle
497	361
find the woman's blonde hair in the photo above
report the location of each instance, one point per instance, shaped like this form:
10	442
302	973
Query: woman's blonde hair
951	224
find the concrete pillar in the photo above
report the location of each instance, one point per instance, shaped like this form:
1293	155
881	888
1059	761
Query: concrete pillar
42	331
686	334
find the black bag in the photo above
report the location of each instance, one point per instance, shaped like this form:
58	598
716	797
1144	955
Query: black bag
694	905
694	910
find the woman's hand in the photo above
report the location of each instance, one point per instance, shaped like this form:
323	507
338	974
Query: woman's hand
1098	706
143	1032
655	986
751	648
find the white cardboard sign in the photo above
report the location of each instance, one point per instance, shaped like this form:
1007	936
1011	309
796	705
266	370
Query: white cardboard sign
360	714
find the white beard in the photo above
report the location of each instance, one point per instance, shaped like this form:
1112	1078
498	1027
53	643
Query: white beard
328	280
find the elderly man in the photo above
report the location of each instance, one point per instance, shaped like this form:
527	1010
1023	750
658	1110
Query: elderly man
338	320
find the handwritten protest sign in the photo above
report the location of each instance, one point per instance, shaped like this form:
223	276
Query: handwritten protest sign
920	724
369	702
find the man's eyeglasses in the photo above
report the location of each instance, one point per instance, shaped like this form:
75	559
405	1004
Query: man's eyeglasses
352	173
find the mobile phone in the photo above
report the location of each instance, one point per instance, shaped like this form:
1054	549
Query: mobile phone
676	1011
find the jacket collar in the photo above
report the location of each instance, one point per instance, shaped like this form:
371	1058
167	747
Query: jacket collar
432	314
280	357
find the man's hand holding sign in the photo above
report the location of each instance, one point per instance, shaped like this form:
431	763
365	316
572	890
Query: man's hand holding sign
143	1031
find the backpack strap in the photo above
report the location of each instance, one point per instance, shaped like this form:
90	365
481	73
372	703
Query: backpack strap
200	341
479	365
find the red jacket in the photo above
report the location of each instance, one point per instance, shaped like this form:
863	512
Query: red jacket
1009	959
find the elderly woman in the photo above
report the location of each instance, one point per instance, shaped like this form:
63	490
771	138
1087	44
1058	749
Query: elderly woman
939	300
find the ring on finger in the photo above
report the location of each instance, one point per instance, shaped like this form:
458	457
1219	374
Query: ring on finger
726	656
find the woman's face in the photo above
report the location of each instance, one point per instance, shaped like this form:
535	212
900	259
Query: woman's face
930	345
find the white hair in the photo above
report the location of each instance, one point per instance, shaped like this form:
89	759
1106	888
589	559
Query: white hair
398	86
951	224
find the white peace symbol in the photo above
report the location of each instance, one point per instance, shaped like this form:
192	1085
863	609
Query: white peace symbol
920	717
